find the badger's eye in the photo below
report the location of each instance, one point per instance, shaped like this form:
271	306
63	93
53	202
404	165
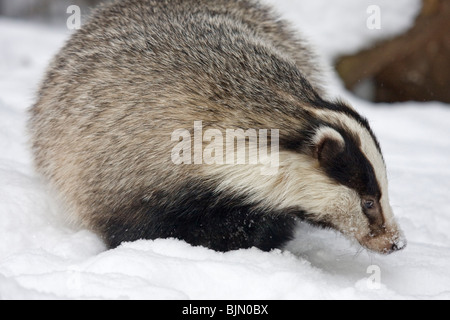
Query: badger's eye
368	204
371	208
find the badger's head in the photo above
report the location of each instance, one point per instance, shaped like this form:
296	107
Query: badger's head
331	174
353	197
347	186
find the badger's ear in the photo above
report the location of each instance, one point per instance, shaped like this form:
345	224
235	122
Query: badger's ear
327	144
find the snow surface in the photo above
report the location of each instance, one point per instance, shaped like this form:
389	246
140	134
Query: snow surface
42	257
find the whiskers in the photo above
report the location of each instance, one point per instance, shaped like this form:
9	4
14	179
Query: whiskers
358	253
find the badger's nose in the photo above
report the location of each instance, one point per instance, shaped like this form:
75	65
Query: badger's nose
385	245
398	246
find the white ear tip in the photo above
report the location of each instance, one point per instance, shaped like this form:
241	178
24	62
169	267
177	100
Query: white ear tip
327	132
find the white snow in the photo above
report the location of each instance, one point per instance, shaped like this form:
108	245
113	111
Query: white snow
42	257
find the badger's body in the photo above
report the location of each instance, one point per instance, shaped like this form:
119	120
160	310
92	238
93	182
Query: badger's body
142	69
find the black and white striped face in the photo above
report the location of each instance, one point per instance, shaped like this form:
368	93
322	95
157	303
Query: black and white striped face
350	156
333	175
357	200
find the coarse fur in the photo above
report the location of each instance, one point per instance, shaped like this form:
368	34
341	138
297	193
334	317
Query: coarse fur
141	69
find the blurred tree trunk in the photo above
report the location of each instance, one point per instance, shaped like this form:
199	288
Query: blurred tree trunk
413	66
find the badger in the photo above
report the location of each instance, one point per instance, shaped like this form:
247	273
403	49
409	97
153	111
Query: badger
102	131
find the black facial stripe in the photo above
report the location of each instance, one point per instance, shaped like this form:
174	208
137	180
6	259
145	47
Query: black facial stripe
351	168
376	218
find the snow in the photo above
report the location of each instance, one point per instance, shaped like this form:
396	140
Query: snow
42	257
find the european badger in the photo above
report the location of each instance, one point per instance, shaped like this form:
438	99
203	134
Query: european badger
140	70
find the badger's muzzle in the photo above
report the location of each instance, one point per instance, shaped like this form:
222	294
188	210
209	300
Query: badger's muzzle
385	243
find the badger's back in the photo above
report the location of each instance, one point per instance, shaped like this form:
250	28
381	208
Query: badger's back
142	69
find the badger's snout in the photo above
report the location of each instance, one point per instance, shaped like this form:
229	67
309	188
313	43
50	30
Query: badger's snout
386	243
